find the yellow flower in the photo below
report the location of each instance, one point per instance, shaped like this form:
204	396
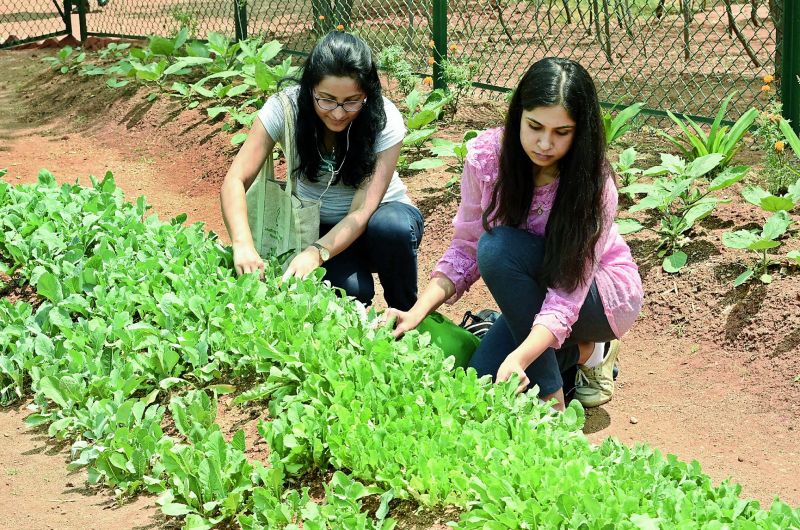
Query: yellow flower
340	27
779	146
431	44
768	78
765	88
431	61
427	81
775	118
453	48
322	17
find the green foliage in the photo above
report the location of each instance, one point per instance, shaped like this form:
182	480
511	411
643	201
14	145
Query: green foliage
759	241
419	118
138	316
66	60
678	200
773	203
616	126
624	168
720	139
392	60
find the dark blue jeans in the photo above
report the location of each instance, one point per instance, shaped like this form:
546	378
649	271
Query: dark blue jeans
509	260
388	247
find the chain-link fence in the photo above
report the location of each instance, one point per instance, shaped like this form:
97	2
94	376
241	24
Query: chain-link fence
681	55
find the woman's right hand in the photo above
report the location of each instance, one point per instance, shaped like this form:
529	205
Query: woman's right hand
247	260
403	321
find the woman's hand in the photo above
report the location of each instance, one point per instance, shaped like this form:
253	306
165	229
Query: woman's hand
403	320
246	259
303	264
512	365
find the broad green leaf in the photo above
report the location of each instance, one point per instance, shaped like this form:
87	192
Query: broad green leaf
791	136
697	212
51	388
628	226
728	177
185	62
776	204
675	261
161	45
765	278
238	138
776	225
795	256
415	137
702	165
49	287
754	194
175	509
739	239
426	163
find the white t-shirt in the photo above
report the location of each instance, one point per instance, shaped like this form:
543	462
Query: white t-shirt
337	199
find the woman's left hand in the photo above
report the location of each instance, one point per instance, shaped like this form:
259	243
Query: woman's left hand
512	366
303	264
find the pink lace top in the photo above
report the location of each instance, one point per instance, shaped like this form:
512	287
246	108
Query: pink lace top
615	273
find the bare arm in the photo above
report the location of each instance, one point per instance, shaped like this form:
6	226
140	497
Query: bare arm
240	176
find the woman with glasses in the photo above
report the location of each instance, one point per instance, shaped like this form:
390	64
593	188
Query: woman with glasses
348	139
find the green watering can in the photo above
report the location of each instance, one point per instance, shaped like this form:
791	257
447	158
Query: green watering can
450	337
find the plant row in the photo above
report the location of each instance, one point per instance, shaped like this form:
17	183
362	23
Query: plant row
142	323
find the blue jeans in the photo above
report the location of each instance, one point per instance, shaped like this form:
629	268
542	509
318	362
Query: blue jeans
388	247
509	260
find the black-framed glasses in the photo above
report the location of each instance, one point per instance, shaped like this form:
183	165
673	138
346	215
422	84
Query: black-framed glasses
332	104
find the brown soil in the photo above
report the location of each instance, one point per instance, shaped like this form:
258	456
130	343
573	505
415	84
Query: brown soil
707	373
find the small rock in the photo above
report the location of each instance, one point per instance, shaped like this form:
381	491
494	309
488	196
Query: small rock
740	459
634	420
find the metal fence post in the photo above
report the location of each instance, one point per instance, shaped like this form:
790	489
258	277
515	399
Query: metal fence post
439	28
790	80
68	16
82	6
240	18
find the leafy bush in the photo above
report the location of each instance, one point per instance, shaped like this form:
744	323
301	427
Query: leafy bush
616	126
678	200
719	139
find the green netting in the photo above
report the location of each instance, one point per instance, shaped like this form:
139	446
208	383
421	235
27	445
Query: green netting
682	55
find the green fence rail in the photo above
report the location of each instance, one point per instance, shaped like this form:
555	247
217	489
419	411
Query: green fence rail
681	55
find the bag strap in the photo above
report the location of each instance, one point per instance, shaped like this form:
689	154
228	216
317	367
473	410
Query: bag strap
287	145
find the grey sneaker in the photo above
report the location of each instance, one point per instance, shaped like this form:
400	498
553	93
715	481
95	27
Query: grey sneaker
595	386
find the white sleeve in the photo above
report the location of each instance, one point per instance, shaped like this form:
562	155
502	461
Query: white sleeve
395	129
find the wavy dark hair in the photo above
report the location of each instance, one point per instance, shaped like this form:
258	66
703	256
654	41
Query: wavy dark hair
340	54
576	219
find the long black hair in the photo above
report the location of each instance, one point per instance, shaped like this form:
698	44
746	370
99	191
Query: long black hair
340	54
576	219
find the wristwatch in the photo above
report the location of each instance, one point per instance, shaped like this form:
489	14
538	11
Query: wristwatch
324	253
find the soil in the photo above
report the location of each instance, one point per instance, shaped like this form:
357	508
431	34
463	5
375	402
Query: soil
708	372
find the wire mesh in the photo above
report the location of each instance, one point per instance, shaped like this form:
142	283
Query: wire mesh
28	20
682	55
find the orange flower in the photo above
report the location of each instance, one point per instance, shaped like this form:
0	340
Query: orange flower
322	17
340	27
431	61
431	44
453	48
768	78
765	88
427	81
779	146
775	118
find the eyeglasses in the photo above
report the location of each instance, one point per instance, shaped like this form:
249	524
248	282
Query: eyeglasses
332	104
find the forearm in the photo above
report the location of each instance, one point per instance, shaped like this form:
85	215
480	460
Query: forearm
234	211
345	232
438	290
538	340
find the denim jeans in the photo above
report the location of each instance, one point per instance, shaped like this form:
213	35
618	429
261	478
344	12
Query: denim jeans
509	260
387	247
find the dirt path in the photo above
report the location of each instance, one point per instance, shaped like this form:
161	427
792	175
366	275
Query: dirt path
680	390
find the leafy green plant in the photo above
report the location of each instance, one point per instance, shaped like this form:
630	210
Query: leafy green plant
678	201
759	242
448	152
720	139
625	169
458	75
67	59
419	119
616	126
773	203
392	60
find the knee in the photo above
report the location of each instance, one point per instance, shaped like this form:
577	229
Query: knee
393	228
506	250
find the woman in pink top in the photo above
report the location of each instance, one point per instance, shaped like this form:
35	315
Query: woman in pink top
536	221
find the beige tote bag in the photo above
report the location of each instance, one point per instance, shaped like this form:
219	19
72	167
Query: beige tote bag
282	224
